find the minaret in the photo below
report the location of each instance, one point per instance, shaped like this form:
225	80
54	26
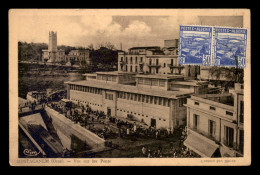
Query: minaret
52	41
52	48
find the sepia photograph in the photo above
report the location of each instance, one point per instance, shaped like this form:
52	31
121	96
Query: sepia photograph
129	87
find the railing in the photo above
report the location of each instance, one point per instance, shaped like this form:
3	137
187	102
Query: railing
175	66
154	65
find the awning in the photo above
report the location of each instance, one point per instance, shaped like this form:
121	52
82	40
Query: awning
200	146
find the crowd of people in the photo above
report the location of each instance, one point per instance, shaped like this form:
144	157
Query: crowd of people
125	129
31	105
177	151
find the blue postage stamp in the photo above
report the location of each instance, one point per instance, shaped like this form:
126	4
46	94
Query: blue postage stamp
230	47
195	45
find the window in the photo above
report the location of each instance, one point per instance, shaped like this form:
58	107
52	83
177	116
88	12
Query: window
109	78
241	117
195	121
241	141
164	64
147	81
147	99
182	101
212	128
114	78
155	100
140	81
229	113
160	101
162	83
229	136
154	82
109	96
139	97
131	96
164	101
143	98
212	108
135	60
196	103
151	99
141	59
104	77
135	97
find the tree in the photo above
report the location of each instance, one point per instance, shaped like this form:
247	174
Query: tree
90	46
107	45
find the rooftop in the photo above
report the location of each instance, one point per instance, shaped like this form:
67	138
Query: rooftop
162	56
161	76
110	73
133	89
190	82
146	47
225	98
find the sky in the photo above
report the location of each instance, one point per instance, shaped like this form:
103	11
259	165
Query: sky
131	31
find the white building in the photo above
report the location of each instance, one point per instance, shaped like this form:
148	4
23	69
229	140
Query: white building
215	124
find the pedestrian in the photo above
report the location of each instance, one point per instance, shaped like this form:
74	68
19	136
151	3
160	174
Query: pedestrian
156	134
149	153
144	151
134	127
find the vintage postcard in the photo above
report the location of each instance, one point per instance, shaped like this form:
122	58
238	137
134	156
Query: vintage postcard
129	87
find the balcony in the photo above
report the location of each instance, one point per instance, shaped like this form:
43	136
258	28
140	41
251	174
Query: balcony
141	63
175	66
154	65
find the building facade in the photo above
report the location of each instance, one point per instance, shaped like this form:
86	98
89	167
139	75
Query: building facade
81	56
152	100
155	100
153	60
53	55
215	124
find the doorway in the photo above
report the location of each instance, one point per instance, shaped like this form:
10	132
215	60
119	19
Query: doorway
153	122
109	111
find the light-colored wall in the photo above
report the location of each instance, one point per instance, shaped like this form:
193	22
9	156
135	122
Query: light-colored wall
219	116
150	110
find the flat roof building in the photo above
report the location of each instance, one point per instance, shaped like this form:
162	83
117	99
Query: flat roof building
150	99
215	124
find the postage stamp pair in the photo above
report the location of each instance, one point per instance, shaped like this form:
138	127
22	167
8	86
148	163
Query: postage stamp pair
213	46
